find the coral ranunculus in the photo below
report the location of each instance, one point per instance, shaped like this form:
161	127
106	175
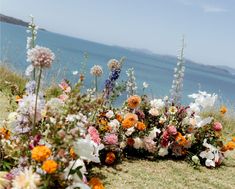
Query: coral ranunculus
95	183
140	126
110	158
133	101
50	166
40	153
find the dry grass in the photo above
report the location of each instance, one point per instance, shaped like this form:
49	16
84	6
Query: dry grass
167	174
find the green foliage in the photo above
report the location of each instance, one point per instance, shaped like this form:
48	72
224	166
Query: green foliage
53	91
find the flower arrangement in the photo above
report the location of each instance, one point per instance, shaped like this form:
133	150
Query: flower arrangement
53	143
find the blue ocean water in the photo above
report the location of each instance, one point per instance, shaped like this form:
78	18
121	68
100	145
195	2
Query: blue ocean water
157	70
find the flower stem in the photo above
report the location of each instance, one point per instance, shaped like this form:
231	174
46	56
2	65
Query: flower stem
36	102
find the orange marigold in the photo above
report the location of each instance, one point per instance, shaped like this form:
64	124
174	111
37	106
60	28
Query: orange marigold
223	109
180	139
5	133
40	153
95	183
130	120
50	166
133	101
233	139
110	158
230	145
119	117
140	126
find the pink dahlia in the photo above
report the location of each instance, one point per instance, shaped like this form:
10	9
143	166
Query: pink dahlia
217	126
111	139
94	134
171	130
150	145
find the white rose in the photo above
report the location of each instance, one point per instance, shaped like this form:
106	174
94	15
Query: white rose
163	152
154	111
138	143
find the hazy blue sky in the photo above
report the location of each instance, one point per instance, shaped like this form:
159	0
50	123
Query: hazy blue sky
157	25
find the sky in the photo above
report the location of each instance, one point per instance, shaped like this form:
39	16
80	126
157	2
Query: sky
156	25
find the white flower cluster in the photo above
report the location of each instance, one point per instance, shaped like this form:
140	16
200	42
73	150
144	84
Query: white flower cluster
40	57
32	29
131	86
202	100
156	106
211	154
96	71
177	84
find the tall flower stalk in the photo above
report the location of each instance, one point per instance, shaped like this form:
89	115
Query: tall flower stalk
115	67
31	42
177	84
41	58
131	86
96	71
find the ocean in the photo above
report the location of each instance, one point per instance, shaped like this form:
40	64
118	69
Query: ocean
156	70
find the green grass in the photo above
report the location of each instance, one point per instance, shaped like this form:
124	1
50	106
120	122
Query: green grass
11	82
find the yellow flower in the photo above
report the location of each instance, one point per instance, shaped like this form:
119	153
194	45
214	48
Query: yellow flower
223	110
4	133
50	166
172	110
72	153
40	153
133	101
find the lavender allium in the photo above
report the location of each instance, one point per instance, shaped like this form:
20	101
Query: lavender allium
30	87
114	64
40	57
131	86
177	84
96	71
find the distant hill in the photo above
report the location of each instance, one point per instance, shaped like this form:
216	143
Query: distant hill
11	20
229	69
16	21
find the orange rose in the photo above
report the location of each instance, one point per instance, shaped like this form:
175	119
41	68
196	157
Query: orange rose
95	183
110	158
40	153
140	126
50	166
133	101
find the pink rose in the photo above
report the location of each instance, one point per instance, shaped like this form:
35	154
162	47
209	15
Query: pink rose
171	130
217	126
94	134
